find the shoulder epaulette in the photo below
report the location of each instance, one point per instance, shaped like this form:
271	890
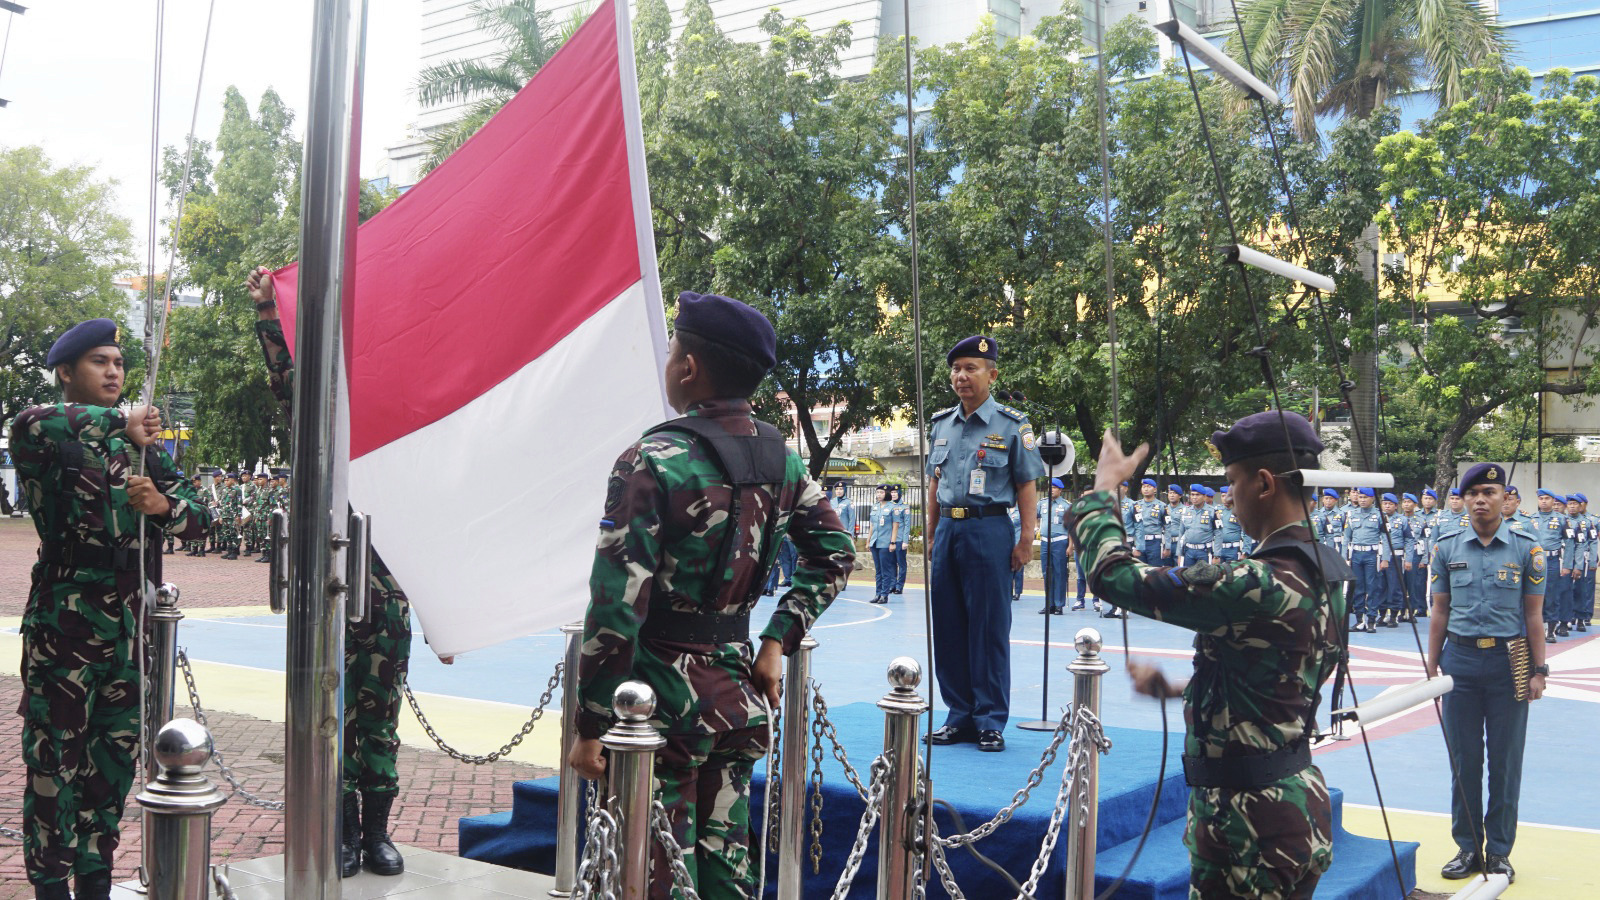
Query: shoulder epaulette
942	413
1016	414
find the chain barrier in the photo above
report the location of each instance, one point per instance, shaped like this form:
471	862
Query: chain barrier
816	797
239	790
599	866
823	727
662	827
10	833
485	759
774	797
1035	778
879	776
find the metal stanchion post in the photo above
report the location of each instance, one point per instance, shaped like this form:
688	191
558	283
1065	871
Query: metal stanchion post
1083	809
792	806
571	786
902	708
177	813
163	641
633	745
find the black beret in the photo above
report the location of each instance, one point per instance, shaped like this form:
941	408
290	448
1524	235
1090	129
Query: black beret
80	339
976	347
1483	473
1262	433
736	327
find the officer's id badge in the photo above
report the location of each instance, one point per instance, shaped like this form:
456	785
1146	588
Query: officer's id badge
976	482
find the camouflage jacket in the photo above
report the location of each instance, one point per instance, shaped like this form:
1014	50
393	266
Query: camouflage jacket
661	540
280	375
46	441
230	504
1264	643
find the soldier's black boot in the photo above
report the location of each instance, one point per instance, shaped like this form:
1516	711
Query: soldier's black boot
1562	630
94	886
381	856
55	890
350	846
1550	633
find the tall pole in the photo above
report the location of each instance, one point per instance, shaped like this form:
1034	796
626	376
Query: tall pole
329	196
903	708
1084	791
570	785
1105	199
792	808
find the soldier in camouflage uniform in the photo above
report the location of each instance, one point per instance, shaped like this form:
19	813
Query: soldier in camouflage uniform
261	515
230	505
377	652
81	679
674	582
1260	818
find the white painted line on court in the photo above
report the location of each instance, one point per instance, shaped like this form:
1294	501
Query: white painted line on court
1445	815
882	614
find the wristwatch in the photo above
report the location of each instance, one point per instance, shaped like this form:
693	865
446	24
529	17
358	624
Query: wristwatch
1542	670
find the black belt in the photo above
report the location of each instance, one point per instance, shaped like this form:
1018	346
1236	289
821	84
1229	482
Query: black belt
974	512
1480	643
1243	773
695	628
89	556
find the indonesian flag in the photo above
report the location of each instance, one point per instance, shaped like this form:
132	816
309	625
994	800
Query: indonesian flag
508	343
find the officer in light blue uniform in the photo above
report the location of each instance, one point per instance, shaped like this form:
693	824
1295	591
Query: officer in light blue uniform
1487	582
1232	542
1331	525
903	545
1589	536
1197	528
1551	527
1054	539
1513	509
1398	528
1367	550
1570	568
1416	555
885	533
844	507
982	461
1148	524
1172	537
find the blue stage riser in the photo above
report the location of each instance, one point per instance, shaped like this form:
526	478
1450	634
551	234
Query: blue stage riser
978	785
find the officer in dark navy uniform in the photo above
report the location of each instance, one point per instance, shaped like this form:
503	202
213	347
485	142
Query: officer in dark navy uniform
982	462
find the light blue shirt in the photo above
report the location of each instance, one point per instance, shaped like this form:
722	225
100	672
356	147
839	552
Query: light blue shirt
1174	521
1364	528
994	440
846	509
1551	529
1147	520
1399	533
1052	520
1229	531
1486	584
1198	524
883	519
902	515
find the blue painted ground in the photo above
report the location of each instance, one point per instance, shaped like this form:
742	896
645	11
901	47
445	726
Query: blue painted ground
858	640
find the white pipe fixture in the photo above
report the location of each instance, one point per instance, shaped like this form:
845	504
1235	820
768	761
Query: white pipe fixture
1320	478
1398	700
1255	258
1220	62
1483	887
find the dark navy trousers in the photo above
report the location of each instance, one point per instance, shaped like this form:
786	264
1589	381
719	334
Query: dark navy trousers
971	600
883	563
1368	591
1055	582
1557	589
1481	716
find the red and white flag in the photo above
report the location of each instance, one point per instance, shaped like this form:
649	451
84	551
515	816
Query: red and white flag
508	343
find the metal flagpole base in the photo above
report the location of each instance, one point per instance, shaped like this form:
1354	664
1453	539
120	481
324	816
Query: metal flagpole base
1038	725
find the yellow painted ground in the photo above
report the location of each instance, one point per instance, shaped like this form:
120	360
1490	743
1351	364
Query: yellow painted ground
472	726
1552	863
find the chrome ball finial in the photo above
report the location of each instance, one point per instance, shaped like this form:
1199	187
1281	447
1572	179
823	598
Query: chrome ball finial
904	672
634	701
1088	642
183	747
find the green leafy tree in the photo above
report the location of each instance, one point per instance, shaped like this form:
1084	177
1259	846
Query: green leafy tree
528	38
61	245
766	169
1492	205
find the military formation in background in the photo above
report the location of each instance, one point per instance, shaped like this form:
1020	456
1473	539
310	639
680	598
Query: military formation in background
241	507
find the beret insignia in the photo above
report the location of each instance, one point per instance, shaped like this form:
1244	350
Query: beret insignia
983	345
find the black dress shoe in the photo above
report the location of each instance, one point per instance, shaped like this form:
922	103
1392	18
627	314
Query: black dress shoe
898	591
1562	630
881	598
950	734
1464	865
1500	865
1056	611
991	741
1046	611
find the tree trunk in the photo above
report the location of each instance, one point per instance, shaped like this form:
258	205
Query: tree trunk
1364	367
1444	458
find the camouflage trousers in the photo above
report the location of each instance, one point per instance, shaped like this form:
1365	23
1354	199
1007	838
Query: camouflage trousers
1272	843
704	781
227	536
376	654
80	737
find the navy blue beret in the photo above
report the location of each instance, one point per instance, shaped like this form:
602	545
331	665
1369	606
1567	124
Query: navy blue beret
1455	492
1197	489
1512	489
1389	498
1552	495
1057	484
1330	492
1366	491
734	326
1262	433
1149	481
976	347
1207	491
1224	489
1579	497
1483	473
1430	492
80	339
1411	497
1174	489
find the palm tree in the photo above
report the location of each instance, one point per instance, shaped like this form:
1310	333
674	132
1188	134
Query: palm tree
529	40
1351	56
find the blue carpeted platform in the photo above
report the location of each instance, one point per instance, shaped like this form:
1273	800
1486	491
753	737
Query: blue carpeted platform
977	785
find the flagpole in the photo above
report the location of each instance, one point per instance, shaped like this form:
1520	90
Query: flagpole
320	450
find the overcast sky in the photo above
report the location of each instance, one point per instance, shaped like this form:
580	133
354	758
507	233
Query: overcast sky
79	76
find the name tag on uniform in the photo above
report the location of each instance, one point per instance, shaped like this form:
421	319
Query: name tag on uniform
1455	566
976	482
